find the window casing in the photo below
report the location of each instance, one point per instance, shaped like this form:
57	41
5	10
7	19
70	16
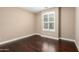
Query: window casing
48	20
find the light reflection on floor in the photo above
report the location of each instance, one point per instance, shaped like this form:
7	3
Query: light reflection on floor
48	47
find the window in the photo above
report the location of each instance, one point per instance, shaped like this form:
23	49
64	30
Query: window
48	21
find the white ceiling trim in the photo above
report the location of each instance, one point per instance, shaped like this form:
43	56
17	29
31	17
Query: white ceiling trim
35	9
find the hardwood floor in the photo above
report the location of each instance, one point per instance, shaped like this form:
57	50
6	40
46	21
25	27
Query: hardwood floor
39	44
67	46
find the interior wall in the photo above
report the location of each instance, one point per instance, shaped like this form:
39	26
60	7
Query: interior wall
15	22
77	27
67	23
39	23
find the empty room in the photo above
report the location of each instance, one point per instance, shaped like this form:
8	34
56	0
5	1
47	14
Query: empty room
39	29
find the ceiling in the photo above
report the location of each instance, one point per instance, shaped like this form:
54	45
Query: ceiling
35	9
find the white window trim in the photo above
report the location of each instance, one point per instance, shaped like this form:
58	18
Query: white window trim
51	30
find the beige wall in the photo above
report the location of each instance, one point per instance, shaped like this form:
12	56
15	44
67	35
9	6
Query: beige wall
67	23
77	27
15	22
39	23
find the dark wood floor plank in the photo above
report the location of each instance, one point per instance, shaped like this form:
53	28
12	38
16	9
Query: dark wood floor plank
37	43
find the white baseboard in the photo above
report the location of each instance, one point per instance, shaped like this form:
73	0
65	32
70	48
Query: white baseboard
19	38
51	37
67	39
77	45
